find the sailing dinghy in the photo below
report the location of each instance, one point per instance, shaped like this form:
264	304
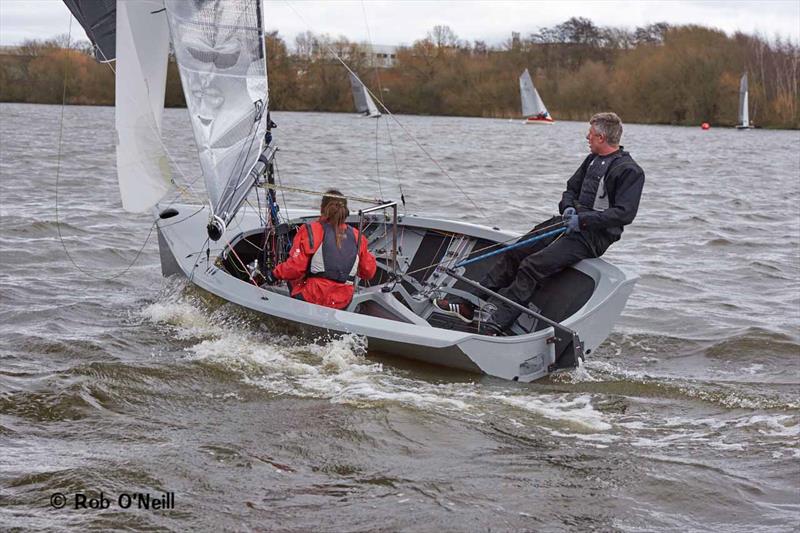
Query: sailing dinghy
533	108
219	47
362	101
744	114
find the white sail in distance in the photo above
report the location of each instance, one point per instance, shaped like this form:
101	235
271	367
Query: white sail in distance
219	47
372	109
142	48
532	104
361	99
744	114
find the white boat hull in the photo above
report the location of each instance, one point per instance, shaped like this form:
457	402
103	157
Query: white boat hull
390	326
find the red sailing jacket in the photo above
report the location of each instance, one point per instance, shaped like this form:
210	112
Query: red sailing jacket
319	290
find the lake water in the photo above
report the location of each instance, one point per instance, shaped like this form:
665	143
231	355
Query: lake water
119	381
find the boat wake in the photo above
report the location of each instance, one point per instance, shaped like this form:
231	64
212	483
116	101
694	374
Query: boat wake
609	399
337	369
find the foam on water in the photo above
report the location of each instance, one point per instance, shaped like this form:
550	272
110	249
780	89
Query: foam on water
576	412
338	370
189	320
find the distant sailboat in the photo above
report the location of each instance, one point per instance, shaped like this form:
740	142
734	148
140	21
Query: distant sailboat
744	114
533	108
362	100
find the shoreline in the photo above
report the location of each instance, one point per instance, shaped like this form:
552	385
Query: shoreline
505	117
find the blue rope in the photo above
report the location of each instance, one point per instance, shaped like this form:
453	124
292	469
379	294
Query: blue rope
511	247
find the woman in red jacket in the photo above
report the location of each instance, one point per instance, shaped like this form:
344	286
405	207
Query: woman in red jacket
325	257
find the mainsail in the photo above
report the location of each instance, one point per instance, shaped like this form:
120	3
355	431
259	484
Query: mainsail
532	104
359	95
361	98
98	18
141	76
219	47
744	115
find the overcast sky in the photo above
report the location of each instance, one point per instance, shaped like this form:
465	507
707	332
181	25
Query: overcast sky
402	22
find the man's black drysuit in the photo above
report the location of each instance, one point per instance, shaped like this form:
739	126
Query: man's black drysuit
605	192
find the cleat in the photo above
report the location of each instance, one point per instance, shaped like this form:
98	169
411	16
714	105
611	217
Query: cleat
462	311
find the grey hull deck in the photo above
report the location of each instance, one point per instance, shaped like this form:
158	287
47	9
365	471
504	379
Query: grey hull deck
398	322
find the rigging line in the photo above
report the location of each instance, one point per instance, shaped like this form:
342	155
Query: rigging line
394	118
377	120
377	159
398	177
241	179
282	188
58	175
197	260
488	247
241	263
380	90
280	183
258	198
244	155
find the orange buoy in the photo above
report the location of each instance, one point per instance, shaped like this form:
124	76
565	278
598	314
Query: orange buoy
705	125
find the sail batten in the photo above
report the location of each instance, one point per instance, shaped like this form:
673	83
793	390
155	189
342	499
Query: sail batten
219	47
532	104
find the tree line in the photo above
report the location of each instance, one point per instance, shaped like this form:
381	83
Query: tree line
658	73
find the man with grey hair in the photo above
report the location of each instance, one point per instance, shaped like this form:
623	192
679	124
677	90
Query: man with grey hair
601	197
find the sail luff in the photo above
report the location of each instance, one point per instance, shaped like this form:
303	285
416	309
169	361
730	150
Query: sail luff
142	40
219	47
744	115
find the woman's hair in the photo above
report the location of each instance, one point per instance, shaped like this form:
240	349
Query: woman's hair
334	208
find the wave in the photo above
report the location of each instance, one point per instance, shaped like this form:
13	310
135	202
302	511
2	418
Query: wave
341	371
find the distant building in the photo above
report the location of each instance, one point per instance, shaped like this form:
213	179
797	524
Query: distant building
382	55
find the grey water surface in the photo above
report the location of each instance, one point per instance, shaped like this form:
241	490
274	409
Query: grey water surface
115	380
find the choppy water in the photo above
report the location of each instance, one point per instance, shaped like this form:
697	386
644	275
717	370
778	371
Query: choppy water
687	418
